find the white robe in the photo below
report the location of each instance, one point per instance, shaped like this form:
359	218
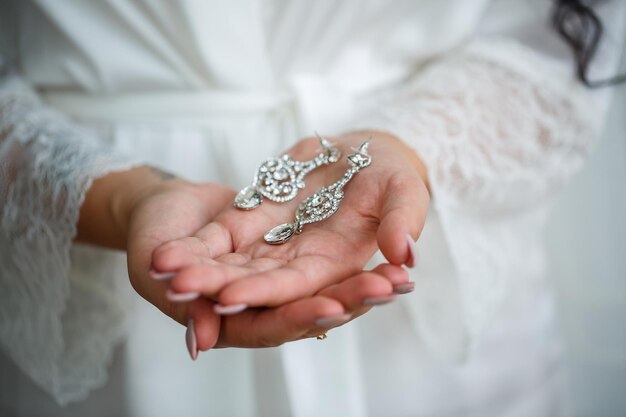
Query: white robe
483	91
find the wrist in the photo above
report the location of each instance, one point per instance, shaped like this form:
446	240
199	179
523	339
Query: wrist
106	212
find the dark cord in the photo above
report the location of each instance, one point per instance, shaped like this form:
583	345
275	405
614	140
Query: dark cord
581	28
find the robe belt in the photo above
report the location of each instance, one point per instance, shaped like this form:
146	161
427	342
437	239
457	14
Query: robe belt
317	103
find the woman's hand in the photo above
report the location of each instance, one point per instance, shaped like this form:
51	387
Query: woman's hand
145	207
139	209
170	208
383	204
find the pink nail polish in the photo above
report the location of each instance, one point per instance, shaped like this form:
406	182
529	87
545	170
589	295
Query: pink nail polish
161	276
228	310
377	301
181	297
332	321
191	341
412	259
404	288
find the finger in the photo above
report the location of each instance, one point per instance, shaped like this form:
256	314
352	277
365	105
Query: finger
299	278
209	242
177	254
206	325
368	288
208	279
396	275
403	213
216	238
272	327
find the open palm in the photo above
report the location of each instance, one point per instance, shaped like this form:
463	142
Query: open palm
383	204
175	210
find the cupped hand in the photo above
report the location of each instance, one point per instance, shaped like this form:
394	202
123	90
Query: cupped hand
384	207
174	209
170	209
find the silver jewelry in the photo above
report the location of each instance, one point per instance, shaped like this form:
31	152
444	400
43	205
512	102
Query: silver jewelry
280	177
323	204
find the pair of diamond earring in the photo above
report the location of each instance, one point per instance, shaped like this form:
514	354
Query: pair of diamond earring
280	178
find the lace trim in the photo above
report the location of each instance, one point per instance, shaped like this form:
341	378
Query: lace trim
501	129
59	331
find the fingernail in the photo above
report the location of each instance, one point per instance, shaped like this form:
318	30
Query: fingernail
377	301
332	321
412	259
161	276
190	340
181	297
231	309
405	288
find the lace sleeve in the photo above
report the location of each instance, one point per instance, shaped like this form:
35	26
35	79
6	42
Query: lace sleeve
500	129
492	127
46	166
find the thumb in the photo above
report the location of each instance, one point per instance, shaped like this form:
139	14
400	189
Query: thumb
402	215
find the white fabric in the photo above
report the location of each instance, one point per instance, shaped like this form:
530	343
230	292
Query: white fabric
47	166
483	91
492	169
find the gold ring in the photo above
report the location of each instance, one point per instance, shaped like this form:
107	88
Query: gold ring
322	336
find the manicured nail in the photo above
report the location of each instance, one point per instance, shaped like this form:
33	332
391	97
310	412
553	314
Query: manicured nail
231	309
190	340
161	276
378	301
412	259
181	297
405	288
332	321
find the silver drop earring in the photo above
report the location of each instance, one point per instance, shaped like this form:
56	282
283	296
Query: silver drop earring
279	178
323	204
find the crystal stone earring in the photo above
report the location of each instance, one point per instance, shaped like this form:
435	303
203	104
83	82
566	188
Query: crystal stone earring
279	178
323	204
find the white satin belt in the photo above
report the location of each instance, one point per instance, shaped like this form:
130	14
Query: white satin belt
315	105
319	103
165	105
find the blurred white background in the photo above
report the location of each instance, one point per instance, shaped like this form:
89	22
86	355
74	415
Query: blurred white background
587	243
